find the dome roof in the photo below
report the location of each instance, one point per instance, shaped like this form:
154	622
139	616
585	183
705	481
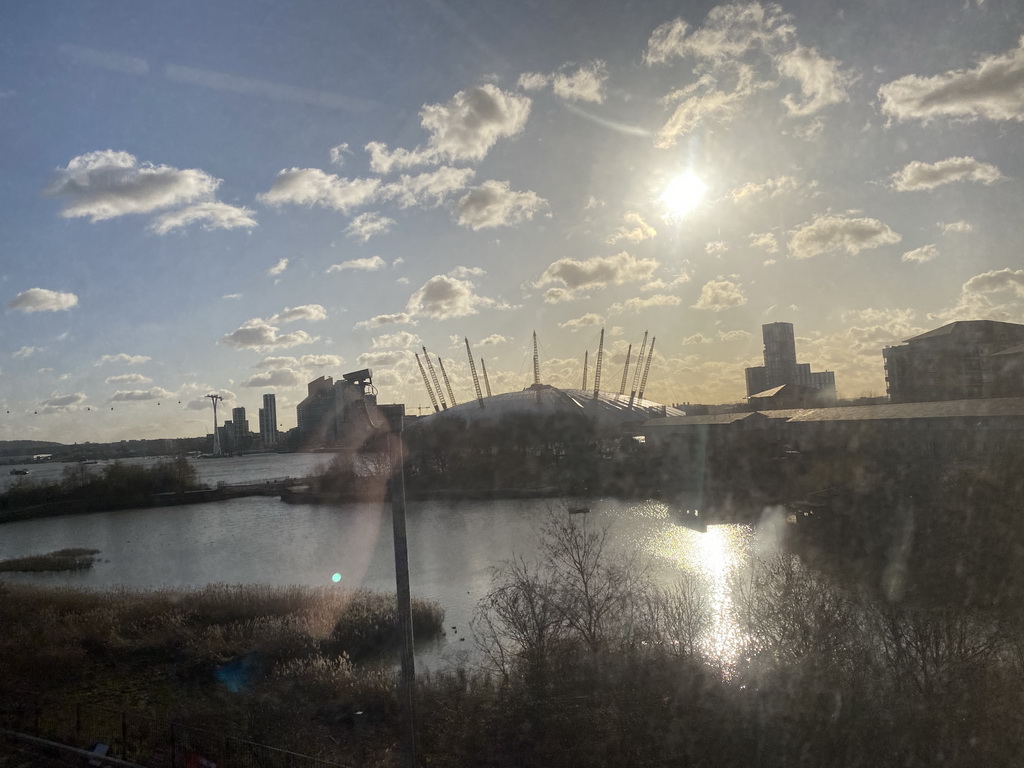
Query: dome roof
606	410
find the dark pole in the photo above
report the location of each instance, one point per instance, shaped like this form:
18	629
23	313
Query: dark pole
407	704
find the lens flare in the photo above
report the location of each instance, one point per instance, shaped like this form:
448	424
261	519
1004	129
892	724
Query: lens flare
683	193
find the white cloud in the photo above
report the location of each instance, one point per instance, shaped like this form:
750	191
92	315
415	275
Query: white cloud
682	277
129	378
765	240
311	312
994	90
26	352
369	264
231	296
443	297
821	80
106	184
715	248
384	357
366	225
921	255
399	340
493	204
278	268
276	377
697	338
311	186
737	335
320	361
918	175
494	338
769	188
719	294
261	336
42	300
558	295
586	321
833	234
464	128
704	101
466	272
427	189
956	227
395	318
583	82
729	31
636	303
337	154
138	395
59	403
596	272
211	215
122	357
995	295
635	229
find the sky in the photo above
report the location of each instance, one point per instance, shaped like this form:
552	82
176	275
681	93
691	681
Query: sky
239	197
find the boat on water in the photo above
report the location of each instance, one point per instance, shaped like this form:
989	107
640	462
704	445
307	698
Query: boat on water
18	471
579	510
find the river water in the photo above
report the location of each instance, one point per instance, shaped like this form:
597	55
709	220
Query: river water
453	546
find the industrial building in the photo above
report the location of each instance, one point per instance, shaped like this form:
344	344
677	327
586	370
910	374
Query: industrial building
959	429
342	414
964	359
781	369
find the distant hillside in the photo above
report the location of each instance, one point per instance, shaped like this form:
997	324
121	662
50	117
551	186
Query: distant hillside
26	447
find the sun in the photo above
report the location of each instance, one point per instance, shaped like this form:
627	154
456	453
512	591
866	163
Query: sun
683	193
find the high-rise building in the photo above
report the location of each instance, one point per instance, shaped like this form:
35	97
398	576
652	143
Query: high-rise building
780	366
268	421
240	427
959	361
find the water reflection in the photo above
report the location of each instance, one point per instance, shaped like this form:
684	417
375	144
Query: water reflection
719	557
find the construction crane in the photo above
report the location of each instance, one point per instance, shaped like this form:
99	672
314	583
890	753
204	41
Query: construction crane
447	384
433	375
426	383
625	371
636	374
476	379
585	353
647	369
536	362
487	382
216	432
597	368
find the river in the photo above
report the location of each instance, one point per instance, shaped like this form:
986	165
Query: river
453	546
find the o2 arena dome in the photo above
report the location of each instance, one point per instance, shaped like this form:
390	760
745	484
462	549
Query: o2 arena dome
607	409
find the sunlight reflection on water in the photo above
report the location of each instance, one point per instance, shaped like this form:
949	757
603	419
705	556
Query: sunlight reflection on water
719	557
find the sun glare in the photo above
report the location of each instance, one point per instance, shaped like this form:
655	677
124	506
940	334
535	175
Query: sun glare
683	193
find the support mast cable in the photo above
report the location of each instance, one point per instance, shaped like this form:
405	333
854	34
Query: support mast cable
597	368
625	371
433	375
426	383
636	373
647	369
487	382
216	432
447	384
536	361
476	379
586	352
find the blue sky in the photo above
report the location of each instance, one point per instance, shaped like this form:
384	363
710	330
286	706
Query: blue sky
239	197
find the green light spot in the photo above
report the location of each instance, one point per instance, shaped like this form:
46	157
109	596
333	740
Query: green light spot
336	578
